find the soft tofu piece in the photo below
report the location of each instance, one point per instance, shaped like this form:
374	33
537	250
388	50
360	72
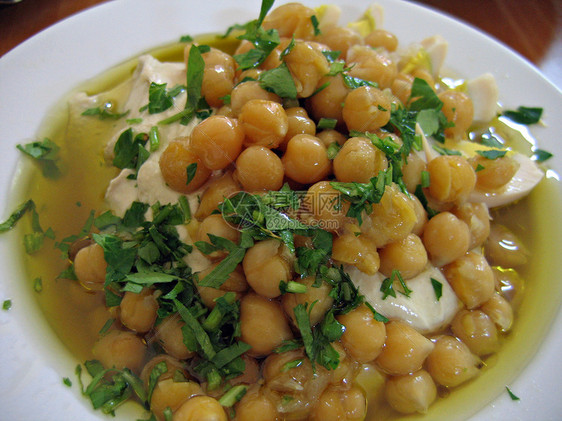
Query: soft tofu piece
525	179
436	48
483	91
421	310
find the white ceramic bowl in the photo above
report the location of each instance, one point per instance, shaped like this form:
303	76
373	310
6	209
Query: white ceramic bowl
36	74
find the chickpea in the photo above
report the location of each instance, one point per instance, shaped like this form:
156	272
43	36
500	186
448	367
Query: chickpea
264	122
215	224
358	161
425	74
307	66
78	245
500	311
421	216
446	238
412	171
326	103
170	394
411	393
251	374
392	218
451	362
139	310
226	111
299	123
290	374
173	367
369	64
366	109
257	168
335	404
359	251
236	282
452	178
266	264
457	107
407	255
90	266
510	285
325	206
339	38
346	370
247	91
364	337
504	248
120	349
173	164
249	74
306	159
217	141
218	76
274	58
405	349
382	38
493	174
263	324
255	405
200	408
169	335
215	194
330	136
320	296
477	217
477	331
402	87
472	279
292	19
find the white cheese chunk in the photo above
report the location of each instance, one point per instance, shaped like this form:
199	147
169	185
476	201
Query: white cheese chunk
421	310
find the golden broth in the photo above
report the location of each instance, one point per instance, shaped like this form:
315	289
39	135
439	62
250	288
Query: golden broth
76	317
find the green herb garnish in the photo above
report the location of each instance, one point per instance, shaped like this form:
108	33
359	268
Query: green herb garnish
524	115
492	154
437	287
45	153
511	394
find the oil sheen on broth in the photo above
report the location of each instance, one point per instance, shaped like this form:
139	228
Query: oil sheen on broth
64	204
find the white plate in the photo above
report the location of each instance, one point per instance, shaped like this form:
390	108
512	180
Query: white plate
36	74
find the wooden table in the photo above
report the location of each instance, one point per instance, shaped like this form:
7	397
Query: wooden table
531	27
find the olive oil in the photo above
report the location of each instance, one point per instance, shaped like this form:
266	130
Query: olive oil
77	315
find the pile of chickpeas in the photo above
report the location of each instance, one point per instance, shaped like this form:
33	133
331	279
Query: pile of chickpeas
255	143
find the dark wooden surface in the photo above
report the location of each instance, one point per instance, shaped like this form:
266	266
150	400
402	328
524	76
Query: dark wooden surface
531	27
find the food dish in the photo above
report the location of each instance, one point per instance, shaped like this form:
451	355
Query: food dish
539	88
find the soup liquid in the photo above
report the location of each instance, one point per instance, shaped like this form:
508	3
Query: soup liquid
77	315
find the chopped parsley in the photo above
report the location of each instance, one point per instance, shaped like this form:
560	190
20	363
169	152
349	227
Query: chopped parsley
512	395
105	112
264	41
387	285
45	153
129	150
16	215
327	123
362	196
279	81
524	115
437	288
540	155
376	315
6	304
492	153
